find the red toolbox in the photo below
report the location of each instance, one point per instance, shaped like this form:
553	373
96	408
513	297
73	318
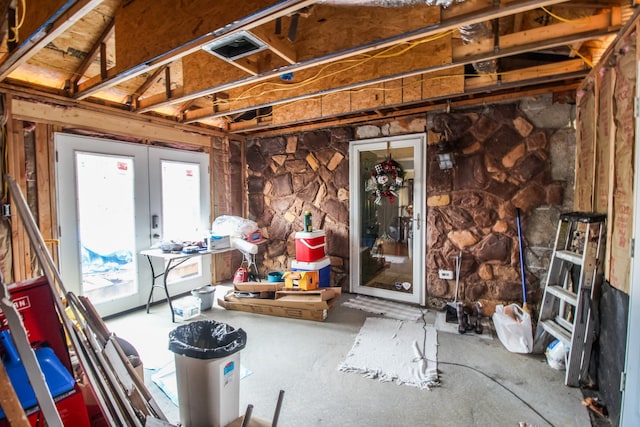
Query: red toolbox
34	301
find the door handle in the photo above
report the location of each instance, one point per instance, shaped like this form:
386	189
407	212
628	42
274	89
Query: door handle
417	222
154	221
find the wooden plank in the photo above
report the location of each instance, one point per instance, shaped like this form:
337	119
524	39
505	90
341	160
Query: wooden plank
272	97
535	35
21	249
139	23
393	92
63	16
412	88
494	11
93	120
587	108
350	75
336	103
9	401
443	83
92	54
564	67
481	81
278	45
310	123
53	213
45	199
148	83
248	65
367	97
148	18
296	110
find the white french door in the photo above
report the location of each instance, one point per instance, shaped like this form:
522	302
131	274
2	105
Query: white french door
387	225
116	199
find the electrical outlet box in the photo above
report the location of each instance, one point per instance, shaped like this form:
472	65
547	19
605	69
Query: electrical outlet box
445	274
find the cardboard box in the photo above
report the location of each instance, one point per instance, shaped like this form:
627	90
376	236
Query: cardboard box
259	286
307	305
215	242
186	308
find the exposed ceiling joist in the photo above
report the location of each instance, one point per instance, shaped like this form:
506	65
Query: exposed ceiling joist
481	15
253	61
60	21
515	44
92	54
269	13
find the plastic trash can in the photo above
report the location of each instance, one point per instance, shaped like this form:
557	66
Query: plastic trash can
205	293
207	356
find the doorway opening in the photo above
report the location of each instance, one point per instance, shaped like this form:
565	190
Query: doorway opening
387	219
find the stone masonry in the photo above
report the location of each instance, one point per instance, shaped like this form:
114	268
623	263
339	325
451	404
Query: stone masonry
291	174
508	156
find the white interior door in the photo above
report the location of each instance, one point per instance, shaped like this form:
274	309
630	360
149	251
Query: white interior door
386	218
110	207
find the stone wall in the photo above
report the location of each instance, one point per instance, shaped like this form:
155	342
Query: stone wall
508	156
291	174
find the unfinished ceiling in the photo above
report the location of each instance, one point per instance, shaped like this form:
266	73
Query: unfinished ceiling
263	64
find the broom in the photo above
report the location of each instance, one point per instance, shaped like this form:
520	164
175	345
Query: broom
525	305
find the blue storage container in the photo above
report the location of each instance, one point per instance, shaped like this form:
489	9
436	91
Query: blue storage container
322	266
58	379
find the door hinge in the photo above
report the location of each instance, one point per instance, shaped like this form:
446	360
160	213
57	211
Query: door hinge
623	380
633	247
636	107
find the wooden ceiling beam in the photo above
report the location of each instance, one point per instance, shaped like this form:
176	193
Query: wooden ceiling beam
276	45
148	83
270	12
91	55
476	16
55	25
517	44
460	102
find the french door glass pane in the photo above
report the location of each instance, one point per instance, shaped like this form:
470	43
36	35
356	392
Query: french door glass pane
386	260
106	218
181	212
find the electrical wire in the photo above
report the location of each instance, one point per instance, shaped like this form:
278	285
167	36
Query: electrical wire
16	29
574	51
514	394
390	52
553	15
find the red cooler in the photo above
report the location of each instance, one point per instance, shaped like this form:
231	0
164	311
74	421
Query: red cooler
310	246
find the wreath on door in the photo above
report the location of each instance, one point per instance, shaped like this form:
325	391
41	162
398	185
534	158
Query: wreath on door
386	179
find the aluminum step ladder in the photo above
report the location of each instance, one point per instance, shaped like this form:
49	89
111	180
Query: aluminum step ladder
572	289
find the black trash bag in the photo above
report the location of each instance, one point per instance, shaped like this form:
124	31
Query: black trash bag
206	339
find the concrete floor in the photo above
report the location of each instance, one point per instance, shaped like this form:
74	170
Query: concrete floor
482	383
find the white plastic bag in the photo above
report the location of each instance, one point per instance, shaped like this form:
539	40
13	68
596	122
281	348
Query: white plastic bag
513	326
234	226
556	354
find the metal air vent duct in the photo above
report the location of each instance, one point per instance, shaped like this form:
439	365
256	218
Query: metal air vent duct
235	46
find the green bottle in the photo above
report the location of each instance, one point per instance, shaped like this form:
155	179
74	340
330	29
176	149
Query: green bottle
307	222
